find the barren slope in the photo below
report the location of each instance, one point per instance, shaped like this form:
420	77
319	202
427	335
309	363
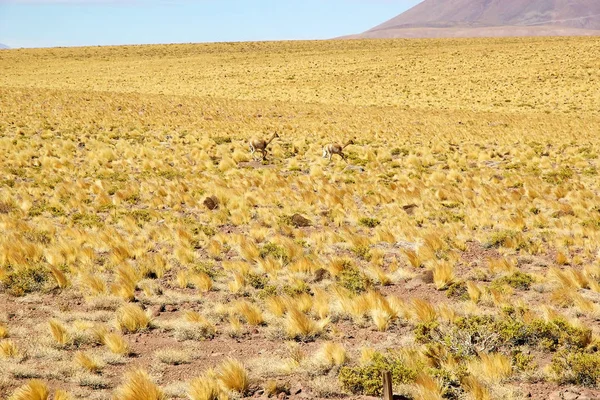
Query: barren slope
459	18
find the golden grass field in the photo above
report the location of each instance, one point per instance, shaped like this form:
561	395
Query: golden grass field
458	248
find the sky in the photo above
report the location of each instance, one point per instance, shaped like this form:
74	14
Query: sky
51	23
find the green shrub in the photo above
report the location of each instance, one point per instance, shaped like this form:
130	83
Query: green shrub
369	222
220	140
275	251
559	333
471	335
577	368
87	220
518	280
500	238
366	380
523	362
141	216
362	252
400	152
25	280
298	287
458	290
354	280
257	281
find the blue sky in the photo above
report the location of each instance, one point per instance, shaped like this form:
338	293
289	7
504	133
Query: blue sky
49	23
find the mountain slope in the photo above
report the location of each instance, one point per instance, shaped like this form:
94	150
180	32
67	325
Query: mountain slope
3	46
436	18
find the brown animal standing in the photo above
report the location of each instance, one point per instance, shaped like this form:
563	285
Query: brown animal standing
331	149
261	145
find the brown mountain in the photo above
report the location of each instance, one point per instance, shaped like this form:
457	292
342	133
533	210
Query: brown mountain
463	18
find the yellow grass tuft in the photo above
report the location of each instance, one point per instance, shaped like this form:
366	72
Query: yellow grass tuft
59	332
235	328
8	349
138	386
424	311
116	344
32	390
131	318
233	376
476	389
93	284
87	362
428	388
276	305
203	388
59	277
474	292
493	368
62	395
381	318
3	331
299	326
331	354
201	281
249	312
443	275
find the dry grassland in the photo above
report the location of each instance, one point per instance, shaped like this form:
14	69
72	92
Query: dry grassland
458	248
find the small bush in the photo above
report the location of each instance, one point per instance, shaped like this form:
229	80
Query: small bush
577	368
518	280
221	140
257	281
400	152
87	220
25	280
501	238
471	335
458	290
369	222
366	380
275	251
354	280
362	252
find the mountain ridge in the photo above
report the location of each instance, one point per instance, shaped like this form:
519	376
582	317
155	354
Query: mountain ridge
462	18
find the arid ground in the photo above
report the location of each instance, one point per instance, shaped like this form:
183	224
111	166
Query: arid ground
145	255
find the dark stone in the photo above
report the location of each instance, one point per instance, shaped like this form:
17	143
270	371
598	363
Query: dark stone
211	202
427	277
299	221
410	208
321	274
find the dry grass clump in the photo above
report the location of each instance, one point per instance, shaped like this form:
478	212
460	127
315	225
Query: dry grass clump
172	357
9	349
301	327
59	333
492	368
131	318
32	390
138	385
232	375
204	388
116	343
3	331
87	362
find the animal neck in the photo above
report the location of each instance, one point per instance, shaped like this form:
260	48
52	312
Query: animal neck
272	138
347	144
